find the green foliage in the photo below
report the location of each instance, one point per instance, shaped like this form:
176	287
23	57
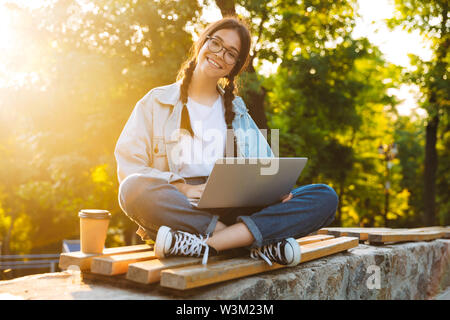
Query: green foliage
329	102
410	137
329	99
59	133
430	18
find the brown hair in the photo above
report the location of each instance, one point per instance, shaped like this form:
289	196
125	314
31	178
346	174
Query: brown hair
228	83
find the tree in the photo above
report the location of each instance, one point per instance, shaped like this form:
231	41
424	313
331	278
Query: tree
410	137
431	19
330	107
319	96
91	64
277	26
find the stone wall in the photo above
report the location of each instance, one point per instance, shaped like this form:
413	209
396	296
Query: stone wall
415	270
401	271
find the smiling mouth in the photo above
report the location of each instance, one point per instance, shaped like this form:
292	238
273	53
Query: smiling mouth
215	64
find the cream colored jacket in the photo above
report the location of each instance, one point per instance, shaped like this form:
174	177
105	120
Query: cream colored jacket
152	131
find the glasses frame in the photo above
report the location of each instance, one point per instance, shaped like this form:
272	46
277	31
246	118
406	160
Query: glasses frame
209	38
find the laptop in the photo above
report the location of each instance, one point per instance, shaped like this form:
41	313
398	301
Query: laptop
249	182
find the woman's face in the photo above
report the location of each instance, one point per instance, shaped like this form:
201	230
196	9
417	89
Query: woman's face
213	64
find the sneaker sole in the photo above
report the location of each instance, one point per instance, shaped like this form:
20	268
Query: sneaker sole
160	242
297	253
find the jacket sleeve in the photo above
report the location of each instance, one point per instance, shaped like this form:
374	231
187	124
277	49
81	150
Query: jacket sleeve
251	140
261	148
133	151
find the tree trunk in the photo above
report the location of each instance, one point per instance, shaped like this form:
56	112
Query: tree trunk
431	163
227	7
7	240
431	157
255	103
338	220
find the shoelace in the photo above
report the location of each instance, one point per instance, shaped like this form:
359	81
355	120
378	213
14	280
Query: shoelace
190	245
268	252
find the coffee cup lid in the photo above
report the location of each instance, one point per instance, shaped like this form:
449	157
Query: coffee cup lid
94	214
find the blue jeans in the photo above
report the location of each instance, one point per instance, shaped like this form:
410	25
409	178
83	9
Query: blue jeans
152	202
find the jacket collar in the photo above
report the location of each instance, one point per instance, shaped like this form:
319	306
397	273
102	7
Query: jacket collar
170	94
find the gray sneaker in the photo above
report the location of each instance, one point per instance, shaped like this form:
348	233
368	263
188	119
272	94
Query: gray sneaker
179	243
286	252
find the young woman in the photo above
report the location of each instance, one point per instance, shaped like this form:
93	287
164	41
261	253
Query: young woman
164	158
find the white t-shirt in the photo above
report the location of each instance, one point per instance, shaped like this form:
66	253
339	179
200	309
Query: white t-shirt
208	144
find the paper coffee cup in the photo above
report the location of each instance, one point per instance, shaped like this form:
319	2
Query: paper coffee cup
93	229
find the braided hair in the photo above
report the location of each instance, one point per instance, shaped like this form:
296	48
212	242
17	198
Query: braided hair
187	76
228	83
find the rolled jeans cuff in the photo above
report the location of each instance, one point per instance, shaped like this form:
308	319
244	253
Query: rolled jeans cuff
212	225
253	229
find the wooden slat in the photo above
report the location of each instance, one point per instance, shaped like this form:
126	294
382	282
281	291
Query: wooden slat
350	231
402	236
118	264
83	260
445	230
363	233
315	238
338	233
331	230
335	231
150	271
434	228
196	276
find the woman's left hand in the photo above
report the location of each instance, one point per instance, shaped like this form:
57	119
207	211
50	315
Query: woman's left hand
287	197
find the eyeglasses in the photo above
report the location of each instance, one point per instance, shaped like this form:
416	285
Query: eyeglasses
216	46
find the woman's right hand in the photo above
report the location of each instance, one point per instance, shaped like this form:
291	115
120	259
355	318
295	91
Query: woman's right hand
189	190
